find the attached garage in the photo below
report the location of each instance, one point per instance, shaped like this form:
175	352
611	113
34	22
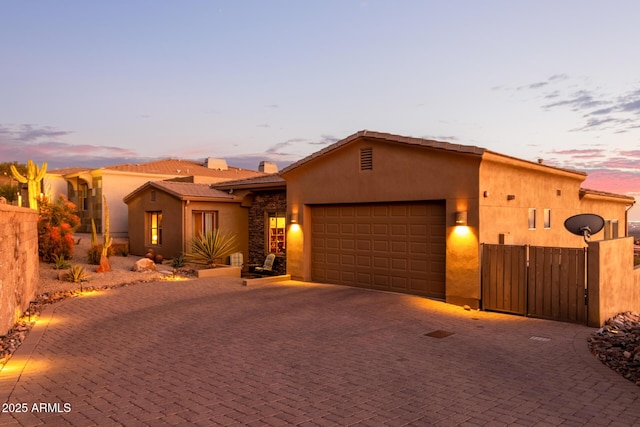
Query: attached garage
399	247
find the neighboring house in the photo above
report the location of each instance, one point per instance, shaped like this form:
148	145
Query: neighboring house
404	214
85	187
265	199
165	215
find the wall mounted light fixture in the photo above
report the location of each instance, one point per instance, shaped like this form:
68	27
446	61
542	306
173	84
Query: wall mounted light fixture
293	219
461	218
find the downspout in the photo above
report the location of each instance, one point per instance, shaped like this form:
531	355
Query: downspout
626	218
184	226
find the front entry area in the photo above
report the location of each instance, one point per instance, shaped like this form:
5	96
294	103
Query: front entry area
398	247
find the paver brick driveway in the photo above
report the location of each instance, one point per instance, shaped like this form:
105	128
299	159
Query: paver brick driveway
212	352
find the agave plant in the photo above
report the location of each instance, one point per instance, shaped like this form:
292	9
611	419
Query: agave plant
77	274
211	246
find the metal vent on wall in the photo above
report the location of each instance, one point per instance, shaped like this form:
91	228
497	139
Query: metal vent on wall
366	159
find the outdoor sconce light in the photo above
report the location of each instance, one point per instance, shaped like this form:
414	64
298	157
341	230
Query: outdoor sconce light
293	219
511	197
461	218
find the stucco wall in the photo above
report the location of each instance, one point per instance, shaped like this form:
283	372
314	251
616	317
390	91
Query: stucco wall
177	222
614	285
400	173
172	223
19	272
231	219
530	185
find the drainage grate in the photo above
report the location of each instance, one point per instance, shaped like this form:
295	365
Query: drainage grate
543	339
438	334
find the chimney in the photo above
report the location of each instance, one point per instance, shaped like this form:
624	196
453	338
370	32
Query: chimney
218	164
268	167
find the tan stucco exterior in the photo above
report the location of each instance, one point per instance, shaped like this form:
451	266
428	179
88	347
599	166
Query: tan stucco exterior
495	191
177	224
614	283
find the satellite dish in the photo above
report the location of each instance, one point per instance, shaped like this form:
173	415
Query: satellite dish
584	225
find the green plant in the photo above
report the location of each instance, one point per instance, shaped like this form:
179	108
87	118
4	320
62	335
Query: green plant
107	241
123	251
211	246
94	234
178	262
33	177
77	274
93	254
56	224
59	262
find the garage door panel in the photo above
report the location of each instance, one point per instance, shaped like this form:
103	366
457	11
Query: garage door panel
394	246
364	245
399	264
381	246
399	229
399	248
380	229
381	262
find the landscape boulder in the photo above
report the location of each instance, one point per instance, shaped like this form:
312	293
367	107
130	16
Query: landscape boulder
143	265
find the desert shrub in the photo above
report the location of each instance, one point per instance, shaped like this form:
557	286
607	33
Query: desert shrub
211	246
95	252
178	262
56	224
59	262
77	274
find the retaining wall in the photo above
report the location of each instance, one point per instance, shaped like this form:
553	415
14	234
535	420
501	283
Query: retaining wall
19	273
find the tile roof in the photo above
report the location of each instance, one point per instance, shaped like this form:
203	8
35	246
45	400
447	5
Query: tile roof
389	138
271	181
175	167
586	191
67	171
185	191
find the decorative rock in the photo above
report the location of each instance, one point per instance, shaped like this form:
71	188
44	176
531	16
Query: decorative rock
144	264
617	345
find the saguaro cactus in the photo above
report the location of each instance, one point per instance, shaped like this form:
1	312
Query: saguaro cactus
33	178
107	241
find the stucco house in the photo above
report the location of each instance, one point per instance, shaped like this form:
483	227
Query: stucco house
265	200
165	215
405	214
85	187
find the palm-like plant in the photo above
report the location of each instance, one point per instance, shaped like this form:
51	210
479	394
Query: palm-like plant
212	245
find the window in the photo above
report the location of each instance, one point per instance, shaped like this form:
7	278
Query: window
276	223
204	222
547	218
532	218
155	228
83	195
614	229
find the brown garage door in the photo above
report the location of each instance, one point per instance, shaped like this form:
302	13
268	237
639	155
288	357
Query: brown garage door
396	247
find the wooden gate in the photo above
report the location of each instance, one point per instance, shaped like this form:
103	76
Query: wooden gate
535	281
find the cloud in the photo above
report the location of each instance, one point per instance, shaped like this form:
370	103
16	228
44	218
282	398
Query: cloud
42	144
580	154
265	125
276	149
599	110
580	100
324	140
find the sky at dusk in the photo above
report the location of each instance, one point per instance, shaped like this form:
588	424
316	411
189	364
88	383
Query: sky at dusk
106	82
